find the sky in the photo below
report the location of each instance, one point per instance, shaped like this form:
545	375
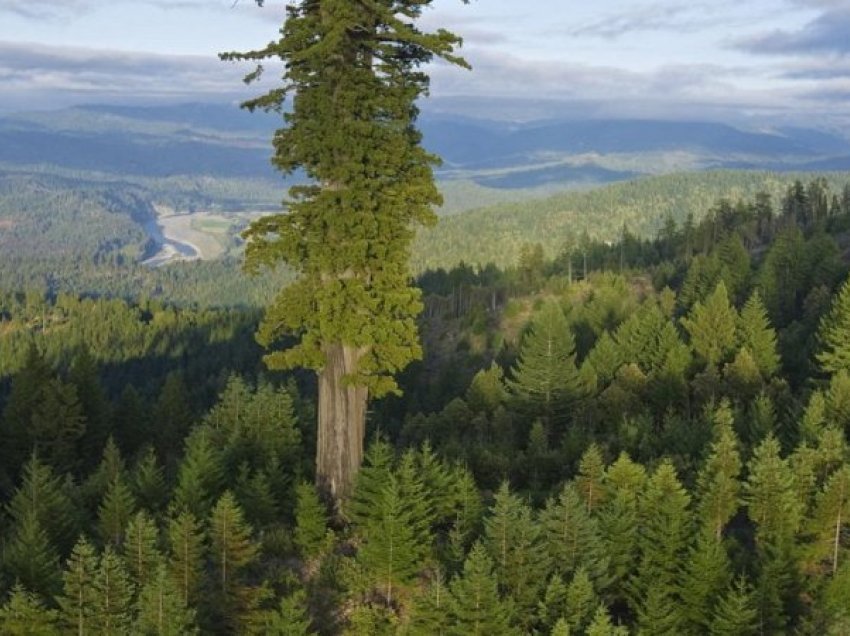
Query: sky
753	61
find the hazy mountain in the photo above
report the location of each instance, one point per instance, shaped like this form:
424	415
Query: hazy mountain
224	141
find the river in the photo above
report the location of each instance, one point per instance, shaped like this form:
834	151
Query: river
169	248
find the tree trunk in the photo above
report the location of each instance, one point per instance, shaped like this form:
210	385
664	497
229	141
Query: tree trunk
342	423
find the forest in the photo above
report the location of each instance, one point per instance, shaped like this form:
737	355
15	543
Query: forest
646	435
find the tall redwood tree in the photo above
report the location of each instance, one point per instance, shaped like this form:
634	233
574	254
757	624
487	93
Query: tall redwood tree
353	75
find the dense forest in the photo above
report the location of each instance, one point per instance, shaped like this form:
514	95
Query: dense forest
644	435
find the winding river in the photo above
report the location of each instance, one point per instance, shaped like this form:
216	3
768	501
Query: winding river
169	248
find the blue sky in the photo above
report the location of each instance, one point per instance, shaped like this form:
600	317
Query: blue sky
749	60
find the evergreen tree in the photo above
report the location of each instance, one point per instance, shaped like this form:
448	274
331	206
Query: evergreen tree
757	336
393	552
602	625
430	615
717	485
347	235
77	603
735	614
580	602
24	614
771	500
707	576
712	327
232	551
477	609
141	549
112	596
831	518
591	473
115	512
376	471
291	619
545	380
29	557
513	540
572	536
834	334
201	476
93	402
311	522
161	611
186	540
148	482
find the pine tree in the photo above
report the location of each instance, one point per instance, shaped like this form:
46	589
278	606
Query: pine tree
831	518
707	575
311	522
24	614
430	614
232	551
112	596
291	619
834	334
735	614
377	468
663	535
581	601
602	625
487	390
201	475
188	549
545	380
29	557
115	512
572	536
347	235
712	327
141	549
717	484
161	611
93	402
77	603
393	552
477	609
757	336
771	500
172	416
513	539
591	473
148	482
553	607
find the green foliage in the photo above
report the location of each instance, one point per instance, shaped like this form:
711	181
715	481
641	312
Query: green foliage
78	599
477	608
834	334
141	549
349	235
188	549
160	608
545	380
712	327
735	614
24	613
311	522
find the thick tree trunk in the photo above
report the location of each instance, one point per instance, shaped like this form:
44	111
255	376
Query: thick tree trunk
342	423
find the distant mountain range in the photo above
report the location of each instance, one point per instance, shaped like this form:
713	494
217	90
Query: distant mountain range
223	141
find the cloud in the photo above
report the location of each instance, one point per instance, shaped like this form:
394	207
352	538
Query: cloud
828	33
47	9
689	17
63	75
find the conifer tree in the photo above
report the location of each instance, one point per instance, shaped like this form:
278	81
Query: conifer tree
148	482
24	614
77	602
291	619
706	578
834	334
591	473
161	611
311	522
112	596
545	380
141	549
201	476
831	518
712	326
377	468
43	495
717	484
513	540
735	614
477	609
348	233
581	601
572	537
431	611
771	500
186	540
602	625
393	550
757	336
232	551
29	557
553	607
115	511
